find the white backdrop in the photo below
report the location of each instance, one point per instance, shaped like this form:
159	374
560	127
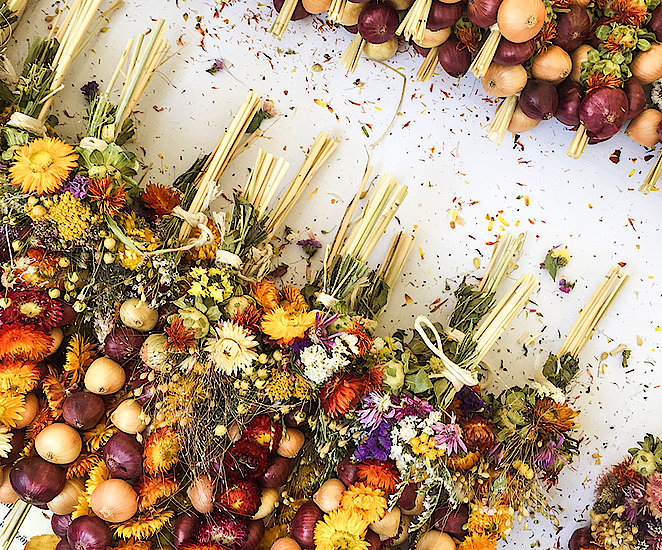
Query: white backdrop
438	147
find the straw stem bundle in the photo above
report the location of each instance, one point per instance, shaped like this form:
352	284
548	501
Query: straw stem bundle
429	65
653	176
502	262
485	56
395	259
504	114
337	10
578	143
12	523
415	22
350	57
283	19
264	180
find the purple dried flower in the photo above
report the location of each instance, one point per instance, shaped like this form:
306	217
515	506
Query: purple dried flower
566	286
634	499
377	408
413	406
90	89
547	457
77	187
216	66
377	445
319	333
449	436
310	246
472	404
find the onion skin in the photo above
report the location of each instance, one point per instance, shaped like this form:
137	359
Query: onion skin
89	533
554	65
444	15
277	472
643	128
578	57
185	527
373	540
36	481
316	6
201	494
285	543
114	501
290	443
603	112
520	123
646	66
580	538
302	526
501	81
655	23
329	494
454	57
572	27
570	98
135	313
60	524
434	38
520	20
104	376
347	470
510	53
483	13
539	100
636	97
7	493
83	410
408	497
58	443
123	455
123	344
452	522
17	443
436	540
378	23
129	417
67	501
351	14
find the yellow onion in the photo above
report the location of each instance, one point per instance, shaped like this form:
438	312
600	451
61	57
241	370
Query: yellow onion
381	52
129	417
435	540
403	531
66	502
582	3
135	313
502	81
520	20
57	336
31	408
521	123
104	376
58	443
578	57
387	527
286	543
329	494
434	38
114	501
553	65
268	502
401	4
643	128
316	6
290	443
201	493
646	66
350	16
7	493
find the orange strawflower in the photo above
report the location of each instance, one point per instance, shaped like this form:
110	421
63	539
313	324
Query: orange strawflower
17	341
42	165
82	465
161	450
463	461
478	542
359	330
152	489
553	417
266	295
291	300
382	475
108	196
18	375
55	393
628	12
340	394
367	502
285	327
373	378
160	198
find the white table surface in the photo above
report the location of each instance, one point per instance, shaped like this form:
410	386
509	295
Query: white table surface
438	147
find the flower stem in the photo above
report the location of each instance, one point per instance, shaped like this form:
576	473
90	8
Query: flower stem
485	56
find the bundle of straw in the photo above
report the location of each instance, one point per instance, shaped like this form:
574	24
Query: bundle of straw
350	57
283	19
429	65
414	24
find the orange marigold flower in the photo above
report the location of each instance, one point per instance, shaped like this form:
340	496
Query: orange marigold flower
628	12
249	318
285	327
359	330
613	44
366	501
180	339
152	489
161	450
372	379
463	461
108	196
291	300
266	295
382	475
546	35
17	341
340	394
626	475
478	542
160	198
18	375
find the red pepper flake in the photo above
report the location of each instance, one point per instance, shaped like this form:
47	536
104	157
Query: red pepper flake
408	299
648	157
632	223
615	157
67	114
490	243
622	264
407	123
158	109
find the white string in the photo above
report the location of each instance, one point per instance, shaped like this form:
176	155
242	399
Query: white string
93	144
27	123
198	221
227	257
457	376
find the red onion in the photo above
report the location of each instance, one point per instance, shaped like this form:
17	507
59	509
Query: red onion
89	533
302	526
603	111
510	53
454	57
63	545
123	456
451	521
299	12
580	538
444	15
37	481
539	100
83	410
17	443
347	470
572	27
655	23
378	23
68	313
60	524
407	499
483	13
185	527
659	130
373	540
353	29
592	39
420	50
255	534
570	97
636	97
277	472
123	344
